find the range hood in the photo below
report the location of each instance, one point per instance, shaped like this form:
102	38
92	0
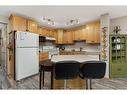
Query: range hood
44	39
50	38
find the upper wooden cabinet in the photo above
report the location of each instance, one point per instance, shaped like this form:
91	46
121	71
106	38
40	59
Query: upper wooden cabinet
55	35
59	37
39	30
67	37
83	34
17	23
93	32
79	34
32	26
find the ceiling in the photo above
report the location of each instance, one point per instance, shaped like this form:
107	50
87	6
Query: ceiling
62	14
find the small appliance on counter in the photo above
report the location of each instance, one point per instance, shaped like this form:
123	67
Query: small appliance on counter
51	50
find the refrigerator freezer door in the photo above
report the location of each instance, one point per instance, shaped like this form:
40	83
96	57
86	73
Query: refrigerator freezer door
27	62
26	39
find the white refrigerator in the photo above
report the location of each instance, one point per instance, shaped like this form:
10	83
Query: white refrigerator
26	54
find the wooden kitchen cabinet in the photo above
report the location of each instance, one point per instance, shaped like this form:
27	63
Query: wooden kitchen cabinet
44	32
17	23
97	32
59	37
83	34
43	56
32	26
68	37
79	34
93	32
76	35
39	31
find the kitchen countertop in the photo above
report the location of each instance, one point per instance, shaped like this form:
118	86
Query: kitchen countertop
79	58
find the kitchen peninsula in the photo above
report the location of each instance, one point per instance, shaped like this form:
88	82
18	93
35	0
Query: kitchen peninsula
78	83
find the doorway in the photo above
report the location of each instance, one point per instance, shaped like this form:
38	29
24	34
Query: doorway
3	56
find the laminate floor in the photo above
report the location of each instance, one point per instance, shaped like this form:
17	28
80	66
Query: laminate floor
33	81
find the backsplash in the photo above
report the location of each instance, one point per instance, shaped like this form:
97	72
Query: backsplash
83	45
76	46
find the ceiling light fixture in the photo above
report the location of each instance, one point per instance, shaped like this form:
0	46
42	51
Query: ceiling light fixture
72	22
49	21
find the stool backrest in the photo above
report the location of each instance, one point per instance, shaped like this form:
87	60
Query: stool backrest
67	69
93	69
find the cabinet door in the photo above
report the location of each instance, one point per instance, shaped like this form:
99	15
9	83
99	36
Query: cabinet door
42	32
77	35
83	34
39	30
70	37
60	37
55	35
17	23
31	26
93	32
90	33
67	38
97	32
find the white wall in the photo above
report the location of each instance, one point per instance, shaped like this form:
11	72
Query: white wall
122	22
3	19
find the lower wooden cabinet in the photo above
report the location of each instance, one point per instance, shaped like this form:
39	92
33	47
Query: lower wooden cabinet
43	56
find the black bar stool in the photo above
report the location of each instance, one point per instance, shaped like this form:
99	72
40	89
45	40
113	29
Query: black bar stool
92	70
65	70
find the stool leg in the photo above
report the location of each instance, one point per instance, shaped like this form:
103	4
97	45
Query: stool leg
40	79
88	84
43	78
65	84
51	79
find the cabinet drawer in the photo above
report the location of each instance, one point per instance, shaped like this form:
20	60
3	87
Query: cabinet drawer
118	70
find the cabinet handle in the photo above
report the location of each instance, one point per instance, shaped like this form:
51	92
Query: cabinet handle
119	69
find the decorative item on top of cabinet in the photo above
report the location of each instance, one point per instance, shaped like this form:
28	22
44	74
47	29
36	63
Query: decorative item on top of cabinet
17	23
32	26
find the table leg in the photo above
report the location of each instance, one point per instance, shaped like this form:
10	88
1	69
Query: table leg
51	79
